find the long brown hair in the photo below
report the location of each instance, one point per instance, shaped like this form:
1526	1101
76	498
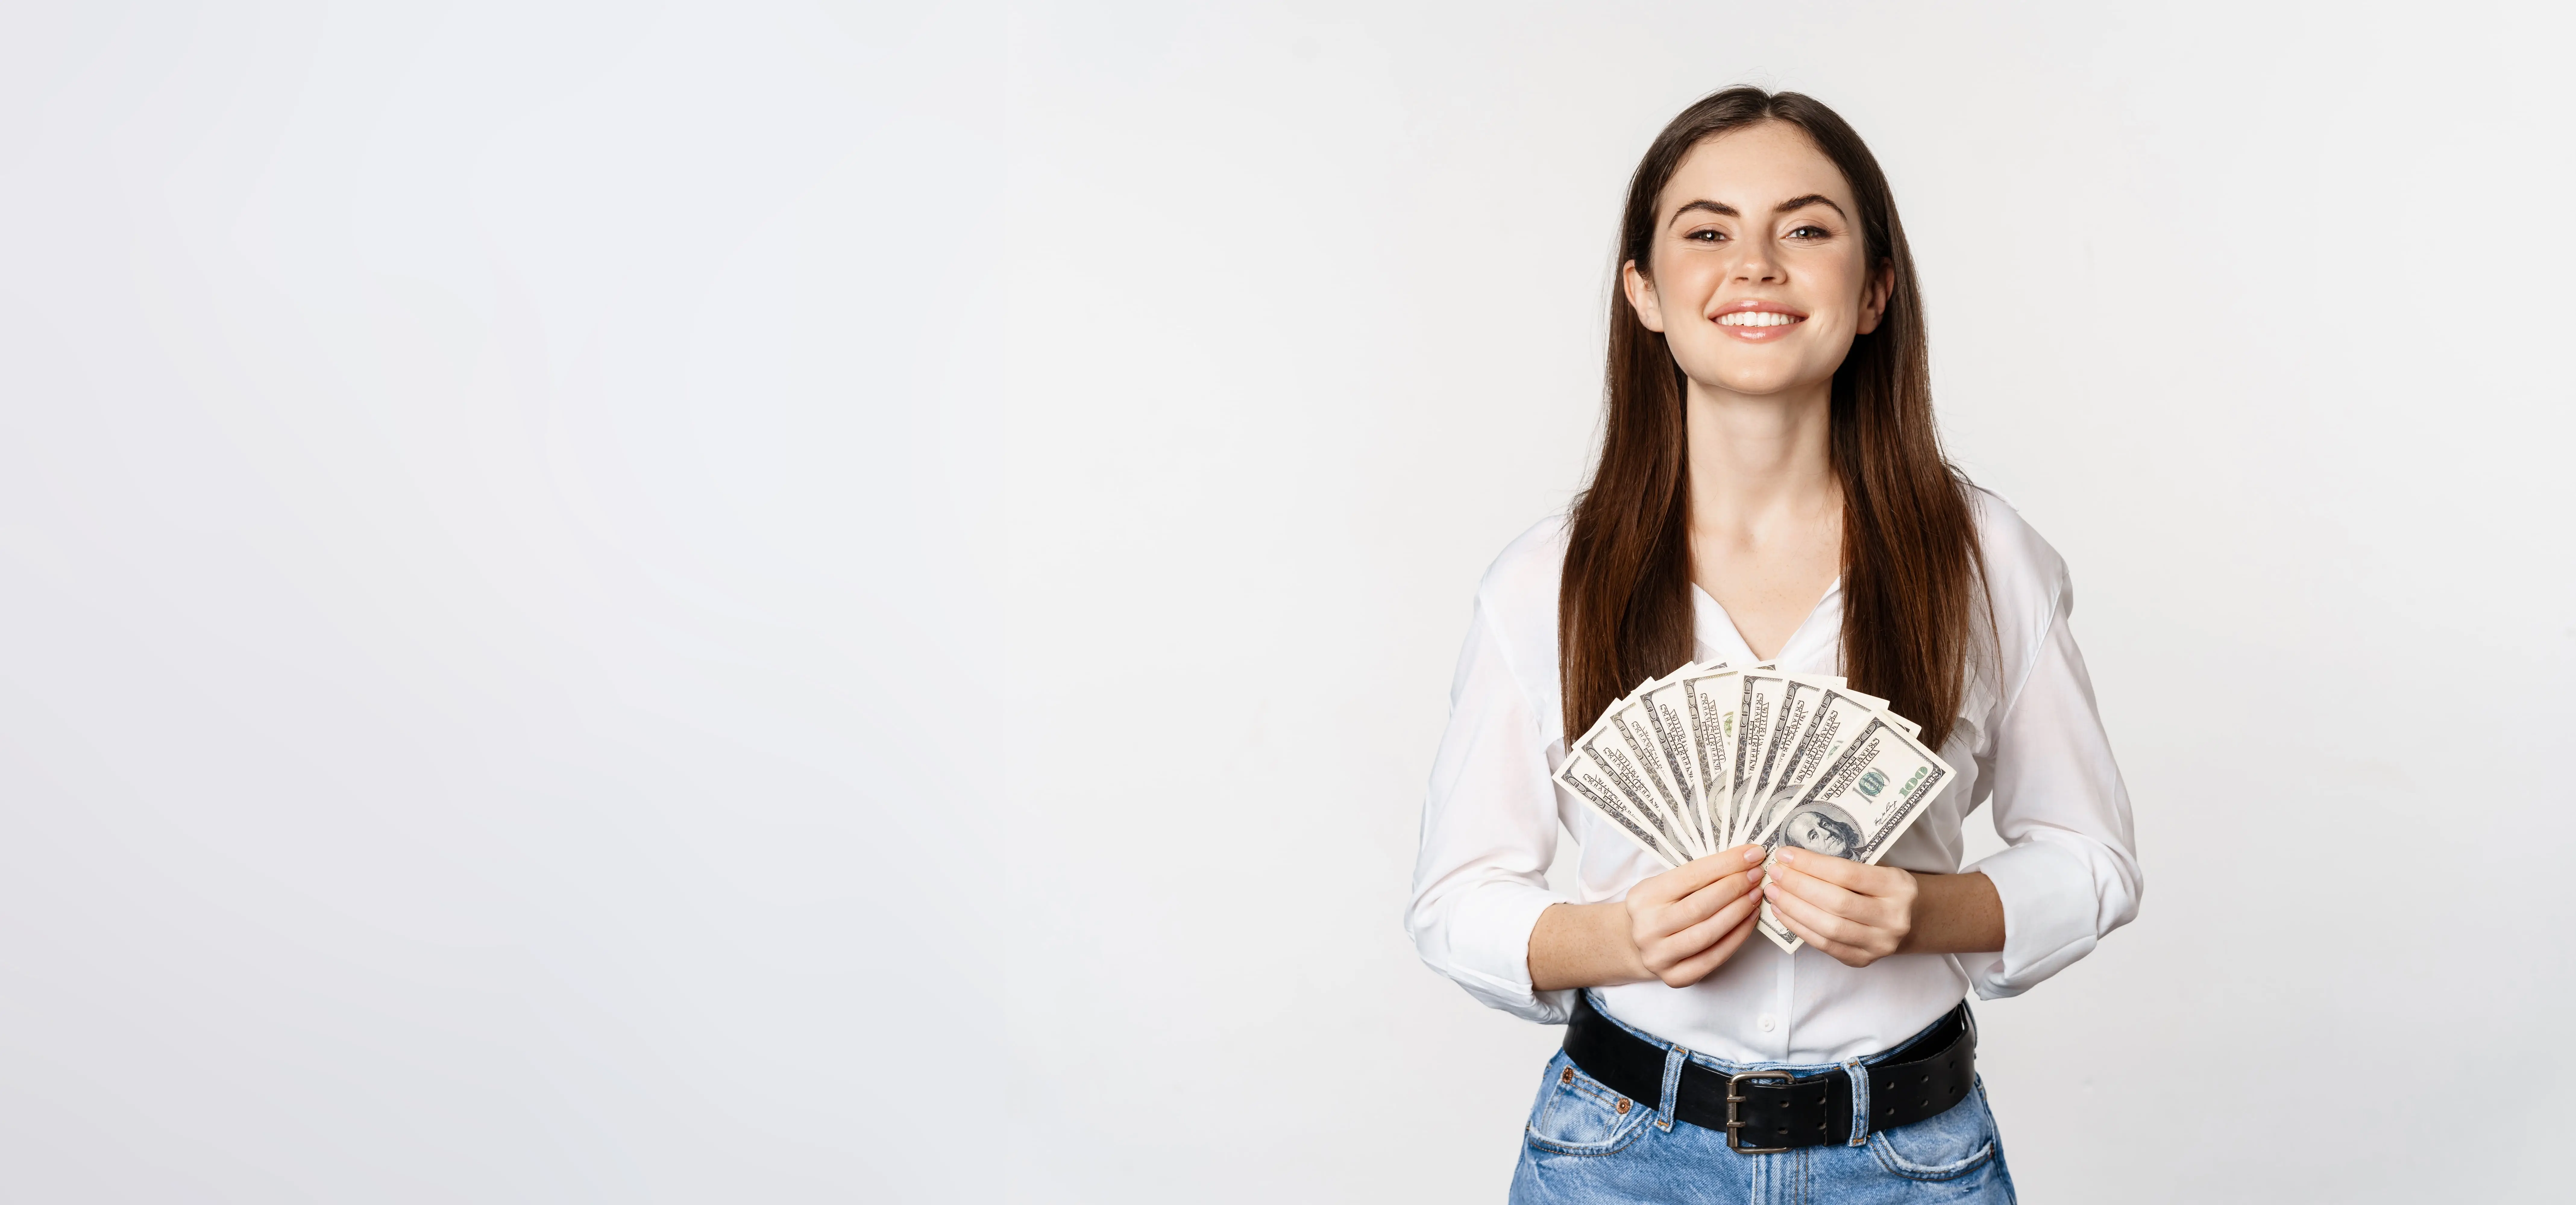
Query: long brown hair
1910	554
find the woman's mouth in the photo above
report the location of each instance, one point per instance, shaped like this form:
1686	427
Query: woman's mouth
1758	321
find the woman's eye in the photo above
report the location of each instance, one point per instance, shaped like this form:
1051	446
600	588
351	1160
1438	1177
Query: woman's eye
1704	236
1810	232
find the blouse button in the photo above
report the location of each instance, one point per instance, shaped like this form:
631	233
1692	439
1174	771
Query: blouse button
1768	1024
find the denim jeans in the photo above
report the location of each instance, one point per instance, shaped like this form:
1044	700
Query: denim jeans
1587	1145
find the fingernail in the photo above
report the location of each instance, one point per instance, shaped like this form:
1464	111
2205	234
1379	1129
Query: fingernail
1753	853
1788	855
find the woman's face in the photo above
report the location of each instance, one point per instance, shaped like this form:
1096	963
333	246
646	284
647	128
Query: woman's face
1805	831
1758	279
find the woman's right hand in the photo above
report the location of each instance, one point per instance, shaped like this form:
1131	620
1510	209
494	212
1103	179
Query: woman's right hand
1688	921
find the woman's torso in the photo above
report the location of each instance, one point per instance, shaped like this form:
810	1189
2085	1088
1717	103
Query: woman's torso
1764	1006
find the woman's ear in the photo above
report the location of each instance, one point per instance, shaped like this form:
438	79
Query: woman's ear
1641	297
1874	295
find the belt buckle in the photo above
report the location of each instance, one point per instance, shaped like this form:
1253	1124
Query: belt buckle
1735	1123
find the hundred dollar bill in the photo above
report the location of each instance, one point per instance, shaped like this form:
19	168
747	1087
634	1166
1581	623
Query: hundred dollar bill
1879	705
1603	793
1837	717
1755	715
1606	795
1632	722
1676	707
1667	705
1799	696
1859	805
1759	723
1708	710
1614	790
1873	700
1714	699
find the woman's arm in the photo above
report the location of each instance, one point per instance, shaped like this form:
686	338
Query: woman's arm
1584	945
1955	914
1677	927
1490	824
2070	875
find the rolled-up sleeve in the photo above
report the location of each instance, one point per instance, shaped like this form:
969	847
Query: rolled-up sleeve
1489	831
2070	874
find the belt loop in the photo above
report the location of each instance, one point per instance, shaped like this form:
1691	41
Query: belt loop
1674	1060
1860	1101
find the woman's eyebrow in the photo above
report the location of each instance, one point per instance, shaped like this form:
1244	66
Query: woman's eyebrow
1716	207
1813	198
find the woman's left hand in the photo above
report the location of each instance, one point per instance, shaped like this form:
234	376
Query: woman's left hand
1854	911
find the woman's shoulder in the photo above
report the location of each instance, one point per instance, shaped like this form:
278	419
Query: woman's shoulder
1516	599
2019	561
2024	578
1527	568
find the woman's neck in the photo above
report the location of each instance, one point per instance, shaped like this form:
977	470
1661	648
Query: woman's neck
1759	465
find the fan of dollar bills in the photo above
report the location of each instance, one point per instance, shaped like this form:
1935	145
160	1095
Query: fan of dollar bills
1711	757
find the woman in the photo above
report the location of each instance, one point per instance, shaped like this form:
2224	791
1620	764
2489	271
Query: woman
1771	487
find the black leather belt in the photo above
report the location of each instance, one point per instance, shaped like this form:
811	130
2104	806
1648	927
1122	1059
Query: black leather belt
1763	1112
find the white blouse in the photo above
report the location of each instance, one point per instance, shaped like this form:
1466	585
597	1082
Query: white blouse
2028	738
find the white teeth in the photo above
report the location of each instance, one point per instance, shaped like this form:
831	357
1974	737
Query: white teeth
1755	318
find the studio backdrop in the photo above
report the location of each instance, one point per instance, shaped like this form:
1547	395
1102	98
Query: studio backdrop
823	602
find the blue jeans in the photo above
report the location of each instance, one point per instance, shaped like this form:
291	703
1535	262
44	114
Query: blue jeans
1587	1145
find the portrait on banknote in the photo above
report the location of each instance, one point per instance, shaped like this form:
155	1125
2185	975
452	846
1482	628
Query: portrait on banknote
1823	828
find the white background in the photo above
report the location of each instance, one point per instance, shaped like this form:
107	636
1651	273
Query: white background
780	602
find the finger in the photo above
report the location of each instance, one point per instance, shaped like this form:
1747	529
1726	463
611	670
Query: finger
1841	872
1667	922
1726	916
1700	872
1836	930
1672	916
1727	887
1697	967
1833	949
1684	974
1823	894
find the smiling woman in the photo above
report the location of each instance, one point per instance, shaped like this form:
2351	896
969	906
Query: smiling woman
1771	488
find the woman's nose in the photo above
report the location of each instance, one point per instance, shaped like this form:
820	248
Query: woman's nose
1758	266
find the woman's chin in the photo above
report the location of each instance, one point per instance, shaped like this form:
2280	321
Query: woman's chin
1762	381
